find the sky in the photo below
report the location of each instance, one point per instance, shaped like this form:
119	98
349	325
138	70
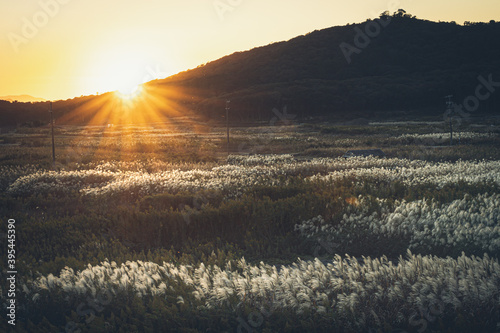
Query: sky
60	49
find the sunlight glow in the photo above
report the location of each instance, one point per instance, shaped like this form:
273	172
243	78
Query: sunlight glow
129	93
121	69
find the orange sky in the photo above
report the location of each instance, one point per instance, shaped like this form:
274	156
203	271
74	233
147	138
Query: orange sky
58	49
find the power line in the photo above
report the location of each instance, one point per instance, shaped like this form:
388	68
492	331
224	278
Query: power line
53	141
449	111
227	124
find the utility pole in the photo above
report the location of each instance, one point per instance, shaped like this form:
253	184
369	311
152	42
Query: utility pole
53	141
449	111
227	124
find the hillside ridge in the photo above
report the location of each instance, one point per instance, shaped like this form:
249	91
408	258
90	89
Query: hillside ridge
392	65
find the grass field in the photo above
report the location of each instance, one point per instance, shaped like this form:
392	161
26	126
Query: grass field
157	228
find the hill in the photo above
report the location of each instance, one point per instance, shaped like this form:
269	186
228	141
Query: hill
409	65
22	98
392	66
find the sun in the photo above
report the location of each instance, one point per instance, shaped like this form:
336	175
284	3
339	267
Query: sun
125	81
129	92
121	69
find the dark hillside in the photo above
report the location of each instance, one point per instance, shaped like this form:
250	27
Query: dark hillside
394	65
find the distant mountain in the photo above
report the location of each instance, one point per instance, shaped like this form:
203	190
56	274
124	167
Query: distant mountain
395	65
22	98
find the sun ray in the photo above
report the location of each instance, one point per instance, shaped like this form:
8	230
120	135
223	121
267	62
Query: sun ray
121	119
